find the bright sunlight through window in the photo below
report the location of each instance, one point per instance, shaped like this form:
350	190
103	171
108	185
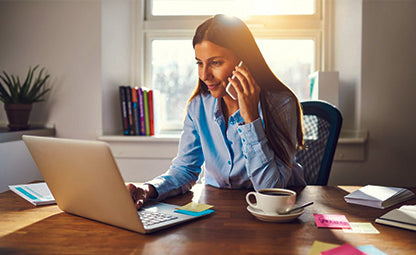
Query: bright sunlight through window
239	8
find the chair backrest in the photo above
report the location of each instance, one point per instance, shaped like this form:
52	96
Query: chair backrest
322	124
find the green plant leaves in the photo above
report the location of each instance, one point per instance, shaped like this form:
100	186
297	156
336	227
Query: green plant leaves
32	90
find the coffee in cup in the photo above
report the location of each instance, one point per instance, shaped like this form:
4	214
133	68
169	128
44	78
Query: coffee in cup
272	200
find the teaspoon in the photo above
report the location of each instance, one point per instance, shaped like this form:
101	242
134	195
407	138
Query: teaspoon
298	207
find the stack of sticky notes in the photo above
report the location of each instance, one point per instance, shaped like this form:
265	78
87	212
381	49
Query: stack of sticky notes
336	221
331	221
195	209
322	248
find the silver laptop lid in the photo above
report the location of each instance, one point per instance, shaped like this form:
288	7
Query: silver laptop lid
85	180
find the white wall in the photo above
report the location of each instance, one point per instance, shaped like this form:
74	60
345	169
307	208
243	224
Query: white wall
64	37
382	69
87	48
347	58
17	166
118	47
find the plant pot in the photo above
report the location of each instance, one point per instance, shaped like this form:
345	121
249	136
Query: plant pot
18	116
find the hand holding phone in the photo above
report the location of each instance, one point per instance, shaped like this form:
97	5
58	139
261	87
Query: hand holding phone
230	88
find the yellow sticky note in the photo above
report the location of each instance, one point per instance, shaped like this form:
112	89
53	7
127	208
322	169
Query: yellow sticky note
195	207
362	228
319	247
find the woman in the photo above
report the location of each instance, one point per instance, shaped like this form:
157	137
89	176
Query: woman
245	143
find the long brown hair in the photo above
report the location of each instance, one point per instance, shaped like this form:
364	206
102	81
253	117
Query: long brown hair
233	34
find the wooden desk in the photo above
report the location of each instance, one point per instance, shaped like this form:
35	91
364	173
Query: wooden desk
25	229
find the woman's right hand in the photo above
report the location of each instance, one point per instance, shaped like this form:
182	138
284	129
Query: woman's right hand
248	93
141	193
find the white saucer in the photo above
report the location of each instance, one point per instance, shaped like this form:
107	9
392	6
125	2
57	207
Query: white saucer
259	214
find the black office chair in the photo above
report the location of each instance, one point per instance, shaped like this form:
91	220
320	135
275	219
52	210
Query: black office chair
322	124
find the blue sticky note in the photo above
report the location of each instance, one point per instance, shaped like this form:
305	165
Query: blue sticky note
370	249
195	214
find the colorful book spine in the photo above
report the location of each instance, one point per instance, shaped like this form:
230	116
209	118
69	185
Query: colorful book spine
135	109
123	106
129	110
141	111
156	111
151	113
146	111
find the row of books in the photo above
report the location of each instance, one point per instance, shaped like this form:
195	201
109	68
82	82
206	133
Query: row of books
137	110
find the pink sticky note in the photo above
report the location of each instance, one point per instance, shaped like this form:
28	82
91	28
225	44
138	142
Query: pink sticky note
346	249
331	221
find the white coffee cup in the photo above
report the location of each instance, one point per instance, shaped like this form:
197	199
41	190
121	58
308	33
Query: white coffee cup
273	200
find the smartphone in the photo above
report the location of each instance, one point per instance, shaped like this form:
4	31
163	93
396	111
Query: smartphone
230	89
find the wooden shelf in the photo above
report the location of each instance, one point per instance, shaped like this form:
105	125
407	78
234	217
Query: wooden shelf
9	136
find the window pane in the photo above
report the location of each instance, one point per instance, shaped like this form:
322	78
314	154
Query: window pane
174	75
174	72
233	7
292	61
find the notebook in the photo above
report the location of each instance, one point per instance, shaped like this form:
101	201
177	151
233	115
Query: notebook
85	181
403	217
379	196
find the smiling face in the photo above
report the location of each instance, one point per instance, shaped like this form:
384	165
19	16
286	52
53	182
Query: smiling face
215	65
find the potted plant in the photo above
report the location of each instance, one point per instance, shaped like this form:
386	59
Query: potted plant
18	97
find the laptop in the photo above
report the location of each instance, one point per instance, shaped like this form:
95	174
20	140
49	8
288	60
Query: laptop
85	181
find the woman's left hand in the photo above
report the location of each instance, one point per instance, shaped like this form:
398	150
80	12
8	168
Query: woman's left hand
248	94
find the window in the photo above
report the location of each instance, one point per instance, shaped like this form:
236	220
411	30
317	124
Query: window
174	76
292	60
288	32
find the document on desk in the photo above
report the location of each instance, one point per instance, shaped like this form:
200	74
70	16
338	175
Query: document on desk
35	193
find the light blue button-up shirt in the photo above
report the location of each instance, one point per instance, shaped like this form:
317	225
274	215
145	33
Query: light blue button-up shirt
236	157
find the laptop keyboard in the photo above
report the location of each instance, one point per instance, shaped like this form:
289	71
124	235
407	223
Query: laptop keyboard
149	218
